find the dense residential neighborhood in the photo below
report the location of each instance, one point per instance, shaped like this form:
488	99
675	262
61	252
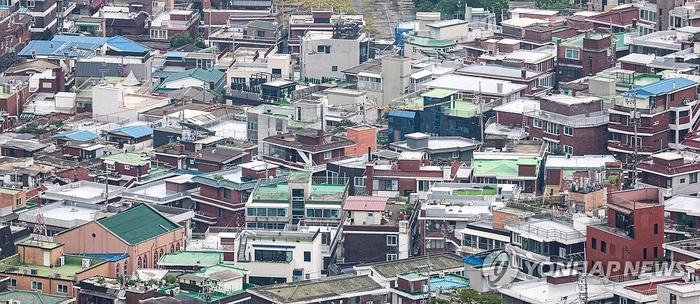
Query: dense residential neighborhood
340	151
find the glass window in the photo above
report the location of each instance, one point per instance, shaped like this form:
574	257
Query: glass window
327	154
307	256
391	257
569	131
37	285
360	181
537	123
391	240
693	178
568	149
572	54
552	128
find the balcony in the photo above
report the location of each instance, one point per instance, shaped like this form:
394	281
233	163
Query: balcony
665	192
629	129
578	121
617	146
547	230
624	106
215	202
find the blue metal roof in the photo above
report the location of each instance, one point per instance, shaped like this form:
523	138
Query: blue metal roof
661	87
79	135
112	257
175	55
58	48
133	131
81	39
121	44
402	113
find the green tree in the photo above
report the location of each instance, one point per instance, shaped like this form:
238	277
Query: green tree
470	296
199	42
180	40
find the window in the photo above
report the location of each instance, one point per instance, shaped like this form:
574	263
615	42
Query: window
62	288
126	268
537	123
656	228
273	256
391	257
552	128
31	3
307	256
118	271
682	180
145	261
127	167
159	34
12	283
435	244
37	285
656	252
360	181
261	33
227	193
334	68
19	201
672	97
693	177
222	212
569	131
327	154
109	166
594	243
455	154
644	253
391	240
324	49
672	299
572	54
568	149
138	262
252	126
603	246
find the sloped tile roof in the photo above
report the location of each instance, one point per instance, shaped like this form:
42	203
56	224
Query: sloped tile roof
138	224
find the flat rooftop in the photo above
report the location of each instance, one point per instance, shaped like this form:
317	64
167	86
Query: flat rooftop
537	291
575	162
190	258
82	191
64	214
392	269
319	192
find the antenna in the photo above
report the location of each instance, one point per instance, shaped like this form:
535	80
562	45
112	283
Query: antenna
39	235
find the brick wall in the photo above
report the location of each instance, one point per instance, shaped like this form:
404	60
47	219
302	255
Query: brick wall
365	137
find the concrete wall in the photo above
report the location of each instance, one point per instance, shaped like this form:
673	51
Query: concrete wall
344	54
591	200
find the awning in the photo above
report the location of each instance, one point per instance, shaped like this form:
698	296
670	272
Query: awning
95	4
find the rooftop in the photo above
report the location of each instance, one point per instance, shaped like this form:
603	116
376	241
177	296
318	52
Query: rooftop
503	165
72	266
365	203
578	162
430	42
474	84
661	87
334	287
689	205
498	70
571	100
77	135
152	224
128	158
319	192
392	269
536	291
577	41
132	131
21	296
440	143
26	145
82	191
65	214
191	258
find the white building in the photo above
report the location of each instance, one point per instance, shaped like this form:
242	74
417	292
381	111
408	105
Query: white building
327	54
123	99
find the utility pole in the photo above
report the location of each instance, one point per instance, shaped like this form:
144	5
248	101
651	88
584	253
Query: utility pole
636	117
481	114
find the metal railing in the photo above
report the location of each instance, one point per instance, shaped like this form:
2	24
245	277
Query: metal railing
529	227
596	119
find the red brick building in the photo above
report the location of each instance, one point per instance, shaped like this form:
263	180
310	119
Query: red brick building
52	79
222	195
584	55
305	149
126	164
667	109
15	91
634	231
412	173
216	158
572	125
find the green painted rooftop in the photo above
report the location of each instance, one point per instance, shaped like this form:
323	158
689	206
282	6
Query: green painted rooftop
439	93
425	41
207	271
577	41
31	297
296	176
202	258
73	265
413	276
319	192
138	224
311	291
128	158
9	191
501	168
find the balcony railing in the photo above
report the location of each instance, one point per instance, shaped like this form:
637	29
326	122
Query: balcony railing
548	234
599	118
617	145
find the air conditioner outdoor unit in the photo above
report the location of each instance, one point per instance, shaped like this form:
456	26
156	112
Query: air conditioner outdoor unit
61	261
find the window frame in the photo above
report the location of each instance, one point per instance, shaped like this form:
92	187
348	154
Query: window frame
392	240
58	288
537	123
36	285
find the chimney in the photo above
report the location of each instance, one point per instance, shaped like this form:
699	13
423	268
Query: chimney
320	137
523	74
499	87
170	4
369	174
